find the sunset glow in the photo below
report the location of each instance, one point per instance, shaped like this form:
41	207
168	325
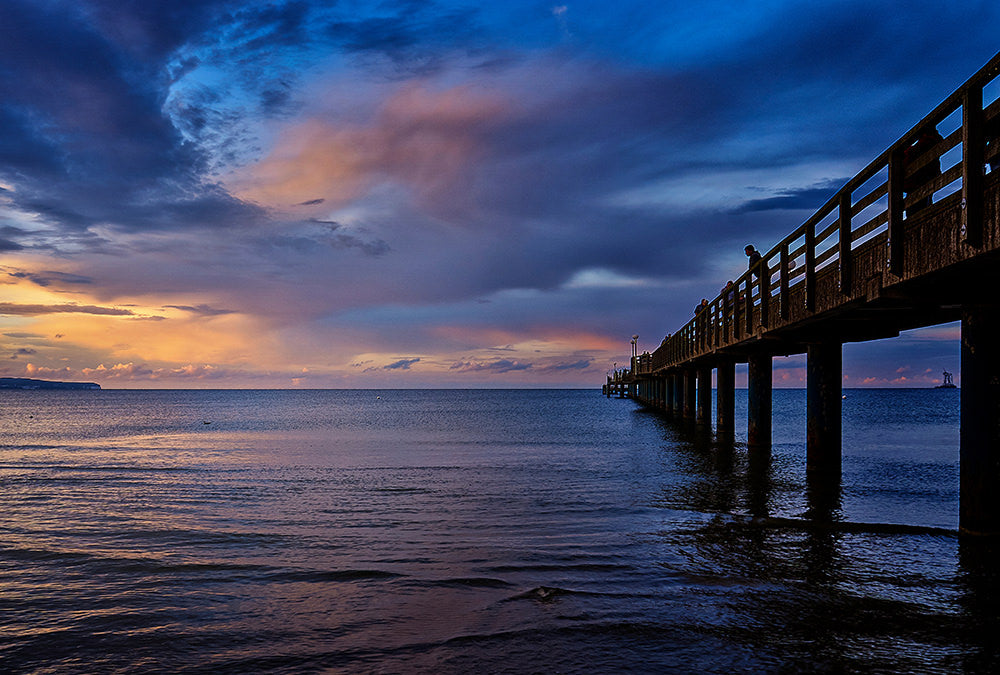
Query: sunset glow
298	194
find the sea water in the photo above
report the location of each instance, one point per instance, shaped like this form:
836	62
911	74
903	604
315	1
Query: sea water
479	532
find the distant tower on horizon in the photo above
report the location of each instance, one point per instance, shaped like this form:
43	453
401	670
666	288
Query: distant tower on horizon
948	382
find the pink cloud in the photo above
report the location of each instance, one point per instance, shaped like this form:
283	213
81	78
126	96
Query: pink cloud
422	138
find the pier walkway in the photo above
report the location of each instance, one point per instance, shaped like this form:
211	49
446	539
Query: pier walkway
912	240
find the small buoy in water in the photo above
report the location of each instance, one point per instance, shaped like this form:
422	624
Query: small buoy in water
378	398
844	396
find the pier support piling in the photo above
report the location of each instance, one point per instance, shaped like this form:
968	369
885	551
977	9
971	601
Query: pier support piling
678	394
979	456
689	393
725	397
823	407
704	411
759	401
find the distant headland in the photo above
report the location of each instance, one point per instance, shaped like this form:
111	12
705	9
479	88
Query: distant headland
28	383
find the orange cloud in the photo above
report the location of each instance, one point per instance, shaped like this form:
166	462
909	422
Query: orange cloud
420	137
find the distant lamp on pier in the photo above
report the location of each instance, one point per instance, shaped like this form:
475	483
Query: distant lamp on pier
635	340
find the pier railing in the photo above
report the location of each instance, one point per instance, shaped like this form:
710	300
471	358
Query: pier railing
867	235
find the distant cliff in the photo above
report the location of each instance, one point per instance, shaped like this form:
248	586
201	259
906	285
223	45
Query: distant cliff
28	383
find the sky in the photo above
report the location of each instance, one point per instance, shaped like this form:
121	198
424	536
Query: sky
306	194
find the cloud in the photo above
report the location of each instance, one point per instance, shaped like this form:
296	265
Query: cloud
402	364
136	372
421	136
200	310
15	309
324	175
497	366
811	198
49	278
581	364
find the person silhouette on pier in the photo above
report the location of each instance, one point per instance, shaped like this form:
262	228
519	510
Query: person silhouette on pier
753	264
927	138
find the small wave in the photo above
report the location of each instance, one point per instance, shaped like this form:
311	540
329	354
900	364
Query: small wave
777	522
402	490
542	594
471	582
570	567
119	564
332	575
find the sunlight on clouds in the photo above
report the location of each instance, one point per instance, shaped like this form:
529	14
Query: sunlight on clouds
224	339
77	335
421	137
604	278
545	356
727	189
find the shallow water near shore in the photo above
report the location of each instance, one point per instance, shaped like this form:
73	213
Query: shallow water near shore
479	531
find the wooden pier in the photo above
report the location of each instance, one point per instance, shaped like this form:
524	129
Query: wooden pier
912	240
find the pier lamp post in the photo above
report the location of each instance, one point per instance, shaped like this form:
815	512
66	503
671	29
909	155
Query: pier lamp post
635	339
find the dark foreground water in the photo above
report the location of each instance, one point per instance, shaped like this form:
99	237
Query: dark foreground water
478	532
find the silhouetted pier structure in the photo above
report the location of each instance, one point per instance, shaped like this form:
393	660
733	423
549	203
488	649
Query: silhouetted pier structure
908	242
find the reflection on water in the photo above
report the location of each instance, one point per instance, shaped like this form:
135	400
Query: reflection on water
503	531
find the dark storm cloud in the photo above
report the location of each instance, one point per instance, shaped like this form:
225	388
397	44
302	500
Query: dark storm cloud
152	29
84	139
72	84
415	38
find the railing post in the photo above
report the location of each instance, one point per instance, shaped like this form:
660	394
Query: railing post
846	255
765	291
810	281
737	304
726	323
783	306
973	161
895	211
716	324
748	305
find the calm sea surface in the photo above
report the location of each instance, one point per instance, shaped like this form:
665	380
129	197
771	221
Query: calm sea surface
478	532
